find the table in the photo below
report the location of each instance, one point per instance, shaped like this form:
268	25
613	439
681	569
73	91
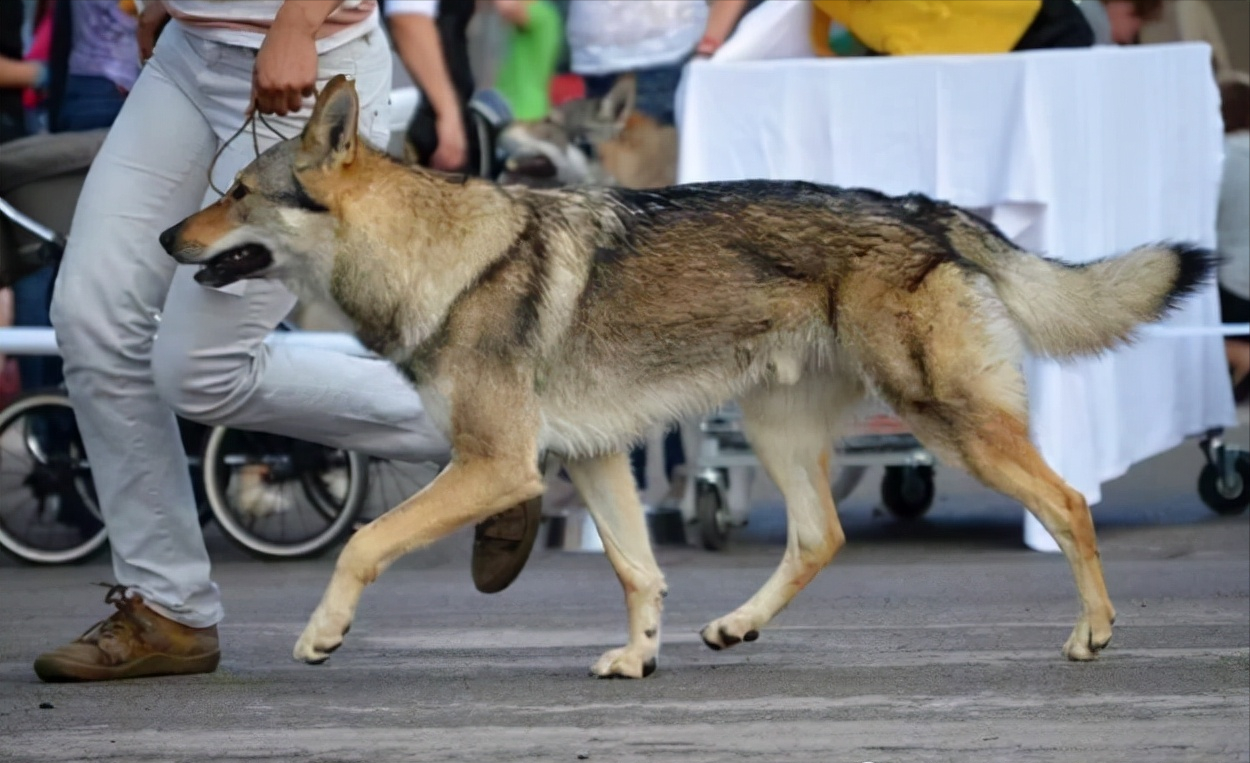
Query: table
1078	154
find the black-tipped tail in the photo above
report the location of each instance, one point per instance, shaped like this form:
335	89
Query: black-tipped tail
1068	311
1196	267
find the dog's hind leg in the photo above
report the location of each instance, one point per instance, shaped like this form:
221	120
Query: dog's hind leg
790	428
607	486
467	491
945	357
999	453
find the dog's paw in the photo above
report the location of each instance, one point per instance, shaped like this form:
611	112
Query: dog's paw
317	643
1087	640
729	630
625	662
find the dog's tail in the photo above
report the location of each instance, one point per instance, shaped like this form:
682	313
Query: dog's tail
1067	311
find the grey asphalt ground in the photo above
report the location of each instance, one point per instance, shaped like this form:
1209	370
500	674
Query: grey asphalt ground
932	642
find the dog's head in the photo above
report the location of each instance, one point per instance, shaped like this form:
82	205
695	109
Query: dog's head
565	147
277	220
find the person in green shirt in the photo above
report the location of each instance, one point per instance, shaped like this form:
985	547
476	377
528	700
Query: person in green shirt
535	37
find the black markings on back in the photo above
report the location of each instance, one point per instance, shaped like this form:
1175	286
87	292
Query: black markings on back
530	246
764	264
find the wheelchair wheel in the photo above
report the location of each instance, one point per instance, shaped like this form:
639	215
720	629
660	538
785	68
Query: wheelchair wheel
907	491
1226	497
713	516
48	508
281	498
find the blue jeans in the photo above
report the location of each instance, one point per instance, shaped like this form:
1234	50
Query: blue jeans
89	103
31	297
657	90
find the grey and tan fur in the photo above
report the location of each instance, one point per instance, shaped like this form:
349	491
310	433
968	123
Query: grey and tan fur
571	321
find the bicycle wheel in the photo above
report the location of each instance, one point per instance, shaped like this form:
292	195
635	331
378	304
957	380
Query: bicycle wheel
48	508
281	498
390	483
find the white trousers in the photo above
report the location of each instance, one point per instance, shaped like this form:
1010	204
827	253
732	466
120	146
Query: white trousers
208	361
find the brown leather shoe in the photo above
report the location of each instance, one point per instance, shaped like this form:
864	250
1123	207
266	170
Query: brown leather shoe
133	642
502	545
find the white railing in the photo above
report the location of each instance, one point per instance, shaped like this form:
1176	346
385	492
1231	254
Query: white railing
41	341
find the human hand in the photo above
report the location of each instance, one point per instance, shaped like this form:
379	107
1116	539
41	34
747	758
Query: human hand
151	21
707	46
285	71
452	152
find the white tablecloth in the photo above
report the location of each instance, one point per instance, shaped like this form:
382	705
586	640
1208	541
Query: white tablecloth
1079	154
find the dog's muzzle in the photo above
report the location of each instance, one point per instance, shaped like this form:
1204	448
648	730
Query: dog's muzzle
234	264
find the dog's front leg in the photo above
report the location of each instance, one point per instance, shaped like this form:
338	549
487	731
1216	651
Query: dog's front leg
608	488
468	491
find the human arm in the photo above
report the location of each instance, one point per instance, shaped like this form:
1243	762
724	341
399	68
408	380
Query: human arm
151	20
721	17
21	74
515	12
421	51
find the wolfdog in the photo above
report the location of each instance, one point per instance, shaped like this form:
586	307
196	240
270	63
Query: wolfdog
592	141
571	321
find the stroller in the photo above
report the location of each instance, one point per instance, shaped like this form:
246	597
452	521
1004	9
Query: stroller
43	172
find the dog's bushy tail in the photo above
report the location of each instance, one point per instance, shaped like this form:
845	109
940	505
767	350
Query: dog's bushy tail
1068	311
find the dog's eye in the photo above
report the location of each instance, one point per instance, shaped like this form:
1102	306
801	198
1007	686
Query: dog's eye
239	191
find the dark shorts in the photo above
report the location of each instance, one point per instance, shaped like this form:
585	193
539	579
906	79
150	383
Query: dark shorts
1058	24
1234	309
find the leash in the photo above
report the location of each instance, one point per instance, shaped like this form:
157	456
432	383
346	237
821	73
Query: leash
251	120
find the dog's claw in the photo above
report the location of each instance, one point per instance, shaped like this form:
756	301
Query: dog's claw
1084	644
315	655
624	663
729	630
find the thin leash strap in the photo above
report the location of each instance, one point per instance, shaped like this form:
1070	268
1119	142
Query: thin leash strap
251	120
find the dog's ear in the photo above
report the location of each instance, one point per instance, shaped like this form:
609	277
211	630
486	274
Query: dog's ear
618	104
330	135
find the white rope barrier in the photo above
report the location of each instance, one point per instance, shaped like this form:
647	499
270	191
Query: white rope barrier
41	341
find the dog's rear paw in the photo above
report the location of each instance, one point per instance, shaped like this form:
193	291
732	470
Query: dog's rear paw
1087	641
625	663
729	630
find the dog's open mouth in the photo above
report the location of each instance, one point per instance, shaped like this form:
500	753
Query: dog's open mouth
234	264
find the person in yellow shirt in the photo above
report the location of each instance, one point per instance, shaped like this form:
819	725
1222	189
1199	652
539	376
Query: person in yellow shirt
931	27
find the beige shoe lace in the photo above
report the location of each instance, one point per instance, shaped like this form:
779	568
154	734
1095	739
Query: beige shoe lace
120	623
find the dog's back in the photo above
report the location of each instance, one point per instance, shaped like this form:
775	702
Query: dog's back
643	306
